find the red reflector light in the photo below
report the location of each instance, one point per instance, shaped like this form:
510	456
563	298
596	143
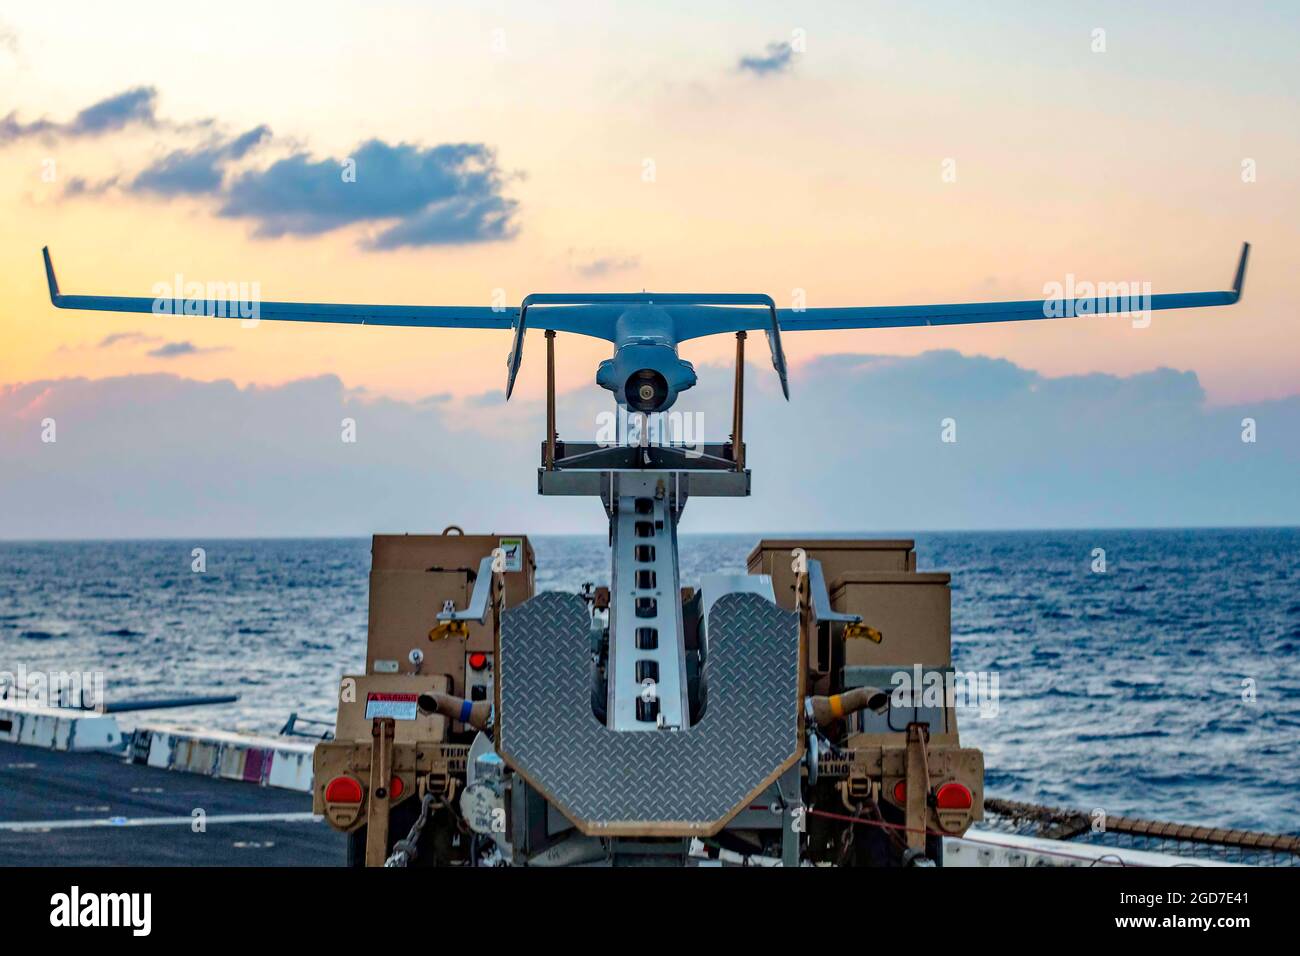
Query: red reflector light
343	790
478	661
953	796
900	792
395	788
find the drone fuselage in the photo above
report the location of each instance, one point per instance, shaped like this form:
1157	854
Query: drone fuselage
646	374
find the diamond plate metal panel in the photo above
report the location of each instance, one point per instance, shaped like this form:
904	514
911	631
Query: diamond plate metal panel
679	782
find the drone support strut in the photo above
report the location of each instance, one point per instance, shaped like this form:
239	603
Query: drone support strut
738	406
549	463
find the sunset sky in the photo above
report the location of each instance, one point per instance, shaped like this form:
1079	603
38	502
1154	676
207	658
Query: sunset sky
506	145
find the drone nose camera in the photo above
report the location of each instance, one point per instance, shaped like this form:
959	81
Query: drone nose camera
647	390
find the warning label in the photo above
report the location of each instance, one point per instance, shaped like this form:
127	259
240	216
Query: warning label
396	706
513	549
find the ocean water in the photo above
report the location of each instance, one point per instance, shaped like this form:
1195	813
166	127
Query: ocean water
1168	686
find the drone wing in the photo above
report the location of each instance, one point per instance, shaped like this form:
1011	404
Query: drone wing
463	317
694	315
1108	302
593	320
696	321
582	320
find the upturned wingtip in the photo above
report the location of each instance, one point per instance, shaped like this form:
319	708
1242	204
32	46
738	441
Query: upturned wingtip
50	280
1239	281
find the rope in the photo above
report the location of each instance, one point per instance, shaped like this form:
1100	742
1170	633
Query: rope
1156	829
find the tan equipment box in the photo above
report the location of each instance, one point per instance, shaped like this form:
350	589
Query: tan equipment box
450	552
912	611
412	577
771	556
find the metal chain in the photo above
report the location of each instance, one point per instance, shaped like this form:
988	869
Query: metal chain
866	812
404	851
847	837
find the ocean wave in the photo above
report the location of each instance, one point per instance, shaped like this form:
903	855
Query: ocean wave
1119	735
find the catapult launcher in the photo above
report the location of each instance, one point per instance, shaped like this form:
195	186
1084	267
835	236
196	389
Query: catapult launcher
750	719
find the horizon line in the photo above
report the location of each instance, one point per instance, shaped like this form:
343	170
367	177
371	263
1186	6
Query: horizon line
823	534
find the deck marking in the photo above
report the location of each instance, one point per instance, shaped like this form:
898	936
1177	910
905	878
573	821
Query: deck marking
40	826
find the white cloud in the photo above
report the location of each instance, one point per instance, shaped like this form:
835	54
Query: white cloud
857	449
